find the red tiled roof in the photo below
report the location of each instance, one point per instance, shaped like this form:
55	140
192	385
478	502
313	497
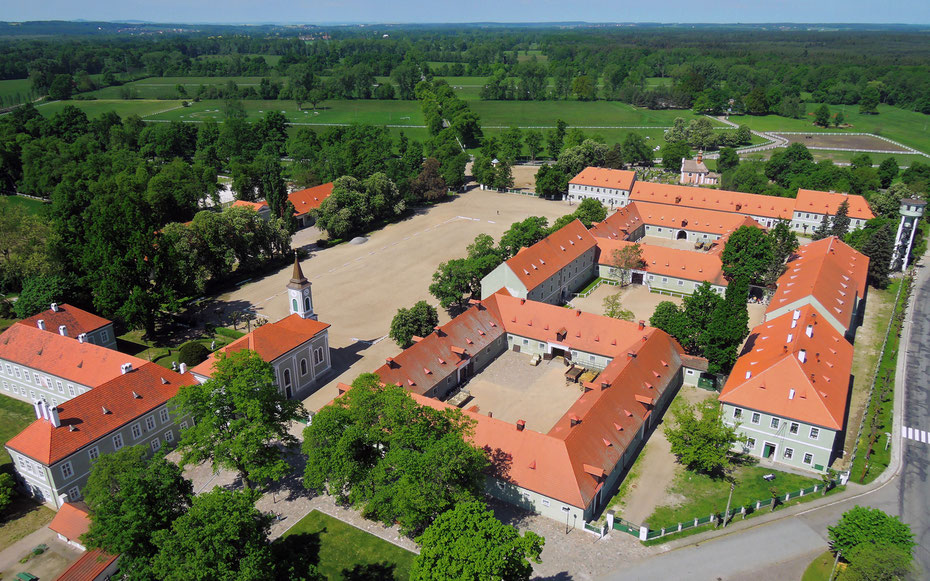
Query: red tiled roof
663	261
828	270
534	265
310	198
154	385
620	224
76	320
431	360
257	206
83	363
605	178
770	376
828	203
694	219
71	521
88	567
708	199
269	341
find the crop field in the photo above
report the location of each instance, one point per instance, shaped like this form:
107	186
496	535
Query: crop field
14	91
142	108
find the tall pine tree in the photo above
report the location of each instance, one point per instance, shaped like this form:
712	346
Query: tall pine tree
824	229
879	248
841	220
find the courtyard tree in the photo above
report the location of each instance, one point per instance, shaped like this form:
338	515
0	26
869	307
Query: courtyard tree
823	229
729	325
784	242
355	205
841	221
747	253
699	438
887	203
221	536
625	260
131	498
862	526
418	320
590	211
668	317
398	461
613	308
41	291
522	235
240	417
469	542
551	182
698	310
452	283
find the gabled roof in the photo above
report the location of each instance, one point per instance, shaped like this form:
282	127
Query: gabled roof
257	206
620	224
828	270
84	421
605	178
694	219
795	366
828	203
721	200
76	320
433	358
534	265
88	567
83	363
71	521
310	198
269	341
663	261
693	166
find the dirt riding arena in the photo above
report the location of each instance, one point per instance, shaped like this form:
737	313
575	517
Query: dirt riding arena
863	142
524	177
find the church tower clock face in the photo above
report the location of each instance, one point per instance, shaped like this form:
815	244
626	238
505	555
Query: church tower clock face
299	293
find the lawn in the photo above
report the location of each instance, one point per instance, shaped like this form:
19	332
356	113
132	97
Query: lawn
92	109
704	495
132	343
28	204
14	91
15	415
342	546
575	113
820	568
907	127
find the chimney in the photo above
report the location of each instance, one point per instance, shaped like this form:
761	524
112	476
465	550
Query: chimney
41	324
630	355
53	417
490	414
522	301
416	338
54	307
810	331
182	369
802	355
577	312
82	337
521	424
125	368
41	412
63	330
642	325
791	394
574	420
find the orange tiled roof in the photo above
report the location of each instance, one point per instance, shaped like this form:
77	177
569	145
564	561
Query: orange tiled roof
828	270
771	377
660	260
828	202
310	198
605	178
269	341
71	521
534	265
257	206
83	420
620	224
76	320
695	219
83	363
431	360
89	566
708	199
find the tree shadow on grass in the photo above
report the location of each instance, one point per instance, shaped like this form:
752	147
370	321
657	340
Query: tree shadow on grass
295	554
369	572
561	576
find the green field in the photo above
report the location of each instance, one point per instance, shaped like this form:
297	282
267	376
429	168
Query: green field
28	204
907	127
15	415
124	108
342	547
653	82
15	91
271	59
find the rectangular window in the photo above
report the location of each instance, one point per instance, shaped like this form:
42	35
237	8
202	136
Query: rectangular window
136	431
66	470
26	375
183	425
789	453
163	415
545	502
61	388
16	370
169	436
794	427
150	423
9	370
93	453
751	443
815	433
74	493
526	341
6	386
755	417
32	393
156	444
71	390
105	336
737	413
681	282
774	423
808	458
117	441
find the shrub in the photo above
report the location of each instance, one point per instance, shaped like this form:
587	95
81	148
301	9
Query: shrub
192	353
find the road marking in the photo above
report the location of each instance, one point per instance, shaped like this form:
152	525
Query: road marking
916	434
491	222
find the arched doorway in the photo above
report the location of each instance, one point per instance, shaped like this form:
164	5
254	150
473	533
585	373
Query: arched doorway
682	235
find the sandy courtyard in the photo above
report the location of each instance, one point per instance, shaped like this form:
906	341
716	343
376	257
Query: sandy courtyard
512	389
358	288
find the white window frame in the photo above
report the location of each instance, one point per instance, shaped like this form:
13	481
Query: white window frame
794	428
169	436
93	453
74	493
756	418
751	443
183	425
788	453
163	415
117	441
808	458
774	423
136	431
814	434
150	423
737	412
156	444
67	470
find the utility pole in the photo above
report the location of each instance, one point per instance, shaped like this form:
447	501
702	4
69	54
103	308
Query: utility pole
726	515
835	562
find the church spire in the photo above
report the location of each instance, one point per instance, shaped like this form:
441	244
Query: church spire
298	291
298	276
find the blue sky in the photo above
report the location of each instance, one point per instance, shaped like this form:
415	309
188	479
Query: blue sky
320	11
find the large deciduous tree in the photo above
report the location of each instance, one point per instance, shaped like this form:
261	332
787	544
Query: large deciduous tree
418	320
523	234
131	498
869	526
747	253
625	260
728	326
784	242
240	417
399	462
699	438
468	542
